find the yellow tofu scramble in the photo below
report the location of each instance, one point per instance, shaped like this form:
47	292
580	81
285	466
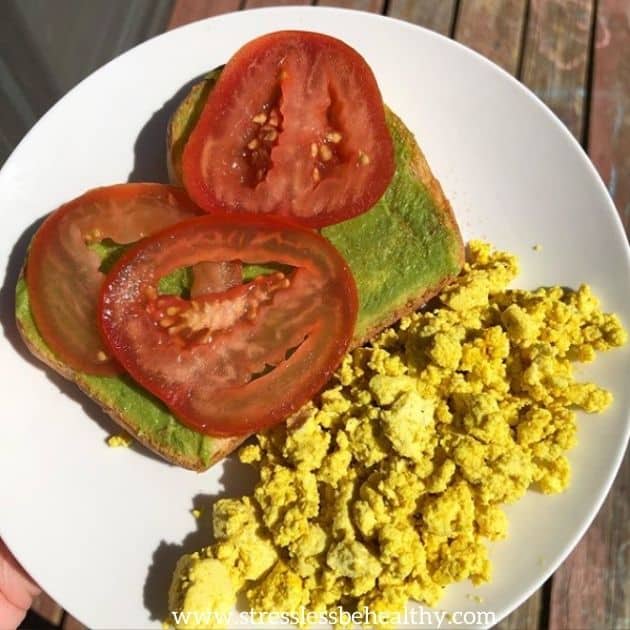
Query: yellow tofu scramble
387	487
119	440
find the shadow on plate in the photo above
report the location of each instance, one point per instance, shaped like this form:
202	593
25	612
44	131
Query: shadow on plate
150	146
237	480
149	166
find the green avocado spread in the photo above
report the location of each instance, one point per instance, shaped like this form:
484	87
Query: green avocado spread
397	250
402	246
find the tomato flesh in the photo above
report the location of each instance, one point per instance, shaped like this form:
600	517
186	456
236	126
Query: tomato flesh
63	274
211	277
295	126
235	361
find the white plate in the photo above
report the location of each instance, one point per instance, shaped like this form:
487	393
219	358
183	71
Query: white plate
98	528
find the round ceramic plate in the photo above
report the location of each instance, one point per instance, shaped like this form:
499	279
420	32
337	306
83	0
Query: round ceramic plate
100	528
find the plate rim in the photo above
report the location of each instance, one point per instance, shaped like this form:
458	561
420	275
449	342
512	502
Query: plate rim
613	470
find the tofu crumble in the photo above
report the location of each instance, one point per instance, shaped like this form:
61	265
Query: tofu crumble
388	487
119	440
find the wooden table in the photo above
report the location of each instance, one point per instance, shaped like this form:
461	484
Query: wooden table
575	55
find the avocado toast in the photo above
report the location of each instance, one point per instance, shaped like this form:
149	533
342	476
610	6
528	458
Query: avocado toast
401	253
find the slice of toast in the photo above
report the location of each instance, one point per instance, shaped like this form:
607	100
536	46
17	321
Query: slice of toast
401	252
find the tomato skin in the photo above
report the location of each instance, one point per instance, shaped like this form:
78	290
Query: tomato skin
331	155
63	274
209	374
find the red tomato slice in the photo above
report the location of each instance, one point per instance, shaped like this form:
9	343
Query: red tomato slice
237	361
295	126
63	275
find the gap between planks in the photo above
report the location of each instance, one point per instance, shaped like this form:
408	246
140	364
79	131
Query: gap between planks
609	115
556	57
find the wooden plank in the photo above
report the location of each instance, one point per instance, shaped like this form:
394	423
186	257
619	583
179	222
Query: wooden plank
185	11
592	588
556	57
71	623
609	128
48	609
493	28
257	4
436	15
527	615
373	6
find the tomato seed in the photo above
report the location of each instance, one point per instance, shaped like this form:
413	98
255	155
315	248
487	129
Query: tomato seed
93	236
274	119
325	153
